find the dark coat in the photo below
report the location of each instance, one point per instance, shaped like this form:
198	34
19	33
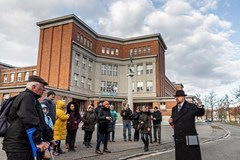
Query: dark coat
104	124
26	113
51	108
184	124
89	119
146	119
158	116
73	121
126	114
135	119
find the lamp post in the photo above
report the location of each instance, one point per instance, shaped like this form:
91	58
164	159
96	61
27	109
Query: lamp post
130	80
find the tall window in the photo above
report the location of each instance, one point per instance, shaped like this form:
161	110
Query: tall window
109	86
103	69
139	69
5	78
78	37
12	77
103	50
83	81
81	39
109	70
149	86
148	49
84	62
131	51
103	86
107	50
117	52
75	80
112	51
84	41
135	51
115	70
149	69
90	65
140	50
114	89
87	43
77	57
26	76
90	45
19	76
89	84
139	86
144	49
34	73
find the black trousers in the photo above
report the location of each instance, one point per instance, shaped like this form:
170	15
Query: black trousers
72	138
19	155
145	139
136	134
88	136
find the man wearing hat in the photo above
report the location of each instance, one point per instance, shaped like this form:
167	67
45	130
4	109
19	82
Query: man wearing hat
183	122
26	113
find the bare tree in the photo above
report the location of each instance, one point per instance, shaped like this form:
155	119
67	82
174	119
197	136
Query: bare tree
212	101
227	104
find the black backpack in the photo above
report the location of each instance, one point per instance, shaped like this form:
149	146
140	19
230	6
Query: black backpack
5	108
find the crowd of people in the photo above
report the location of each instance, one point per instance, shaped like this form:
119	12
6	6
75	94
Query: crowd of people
59	121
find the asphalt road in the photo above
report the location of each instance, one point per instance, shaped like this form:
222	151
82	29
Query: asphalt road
225	148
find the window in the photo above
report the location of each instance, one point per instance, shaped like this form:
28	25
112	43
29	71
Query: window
103	50
109	86
19	76
149	86
144	49
84	41
12	77
75	79
117	52
140	50
139	86
84	62
114	89
83	81
135	51
5	78
107	51
103	86
109	70
90	45
81	39
78	37
139	69
89	84
34	73
148	49
115	70
131	51
112	51
77	57
90	66
103	69
149	69
26	76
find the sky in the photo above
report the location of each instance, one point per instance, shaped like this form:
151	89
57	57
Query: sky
202	36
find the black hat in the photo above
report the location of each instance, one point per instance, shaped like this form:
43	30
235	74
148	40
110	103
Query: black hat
180	93
50	93
34	78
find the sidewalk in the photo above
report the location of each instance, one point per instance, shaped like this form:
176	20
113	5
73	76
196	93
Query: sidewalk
205	132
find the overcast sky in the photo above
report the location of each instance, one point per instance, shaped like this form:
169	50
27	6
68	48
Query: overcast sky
202	36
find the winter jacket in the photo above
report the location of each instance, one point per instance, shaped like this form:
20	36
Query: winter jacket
60	126
73	121
114	115
135	119
89	120
158	116
126	114
51	108
25	113
104	124
146	119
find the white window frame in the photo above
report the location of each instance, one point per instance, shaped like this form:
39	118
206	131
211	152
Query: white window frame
83	81
117	51
103	50
84	62
19	77
149	86
139	86
26	76
75	80
115	70
149	68
103	86
139	69
109	70
103	69
89	84
90	65
12	77
5	78
77	58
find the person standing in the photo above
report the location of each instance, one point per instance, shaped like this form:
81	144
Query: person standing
26	113
60	126
89	121
135	119
113	122
126	114
49	102
72	124
183	122
104	127
145	127
157	119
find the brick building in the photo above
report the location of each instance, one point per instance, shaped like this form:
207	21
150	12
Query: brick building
82	65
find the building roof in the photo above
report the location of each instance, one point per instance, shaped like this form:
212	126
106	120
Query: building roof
4	65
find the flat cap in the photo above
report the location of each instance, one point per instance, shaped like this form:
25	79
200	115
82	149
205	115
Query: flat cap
34	78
